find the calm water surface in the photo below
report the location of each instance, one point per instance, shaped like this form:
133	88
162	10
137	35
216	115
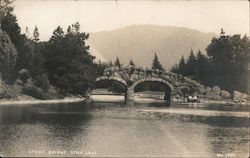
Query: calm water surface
117	129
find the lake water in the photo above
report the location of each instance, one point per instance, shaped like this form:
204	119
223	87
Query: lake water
119	129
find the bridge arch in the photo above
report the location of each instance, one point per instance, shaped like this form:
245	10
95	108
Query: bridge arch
168	93
152	79
112	78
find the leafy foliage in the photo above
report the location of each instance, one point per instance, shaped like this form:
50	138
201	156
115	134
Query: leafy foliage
23	45
5	7
34	91
229	59
225	64
63	61
42	82
68	63
7	57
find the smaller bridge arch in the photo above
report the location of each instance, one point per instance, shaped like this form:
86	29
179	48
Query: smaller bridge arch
152	79
131	89
112	78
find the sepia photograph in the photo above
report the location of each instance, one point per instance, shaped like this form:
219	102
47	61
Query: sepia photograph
125	78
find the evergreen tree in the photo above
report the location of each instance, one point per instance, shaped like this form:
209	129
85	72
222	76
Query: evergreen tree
117	62
100	67
202	68
27	32
156	63
69	30
131	62
191	64
38	60
36	34
225	65
182	66
110	63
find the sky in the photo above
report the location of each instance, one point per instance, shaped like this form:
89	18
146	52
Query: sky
99	15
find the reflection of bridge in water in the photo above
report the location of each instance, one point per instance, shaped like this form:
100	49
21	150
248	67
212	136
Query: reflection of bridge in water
131	77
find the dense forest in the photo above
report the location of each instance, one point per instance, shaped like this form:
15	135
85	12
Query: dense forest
56	68
63	65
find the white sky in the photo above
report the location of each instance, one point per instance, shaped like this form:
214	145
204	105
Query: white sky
93	16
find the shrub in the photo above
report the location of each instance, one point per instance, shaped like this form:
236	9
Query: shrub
34	91
23	75
42	82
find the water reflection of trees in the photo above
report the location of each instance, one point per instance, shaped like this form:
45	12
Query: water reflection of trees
64	123
42	127
40	113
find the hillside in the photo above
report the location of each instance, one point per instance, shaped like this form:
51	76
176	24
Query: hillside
140	42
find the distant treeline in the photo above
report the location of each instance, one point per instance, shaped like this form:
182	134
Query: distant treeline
224	65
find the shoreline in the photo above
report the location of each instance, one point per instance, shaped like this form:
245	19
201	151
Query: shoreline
29	101
36	101
247	103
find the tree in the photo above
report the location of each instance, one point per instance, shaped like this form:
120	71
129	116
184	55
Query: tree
197	67
27	32
131	62
69	30
191	65
76	27
100	67
180	68
225	64
229	60
38	59
156	63
202	68
7	57
11	27
117	62
57	33
68	62
36	34
110	63
7	49
25	47
24	55
5	7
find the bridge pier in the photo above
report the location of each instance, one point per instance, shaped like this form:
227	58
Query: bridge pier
130	94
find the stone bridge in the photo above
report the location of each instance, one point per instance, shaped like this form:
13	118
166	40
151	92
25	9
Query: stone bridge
177	86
